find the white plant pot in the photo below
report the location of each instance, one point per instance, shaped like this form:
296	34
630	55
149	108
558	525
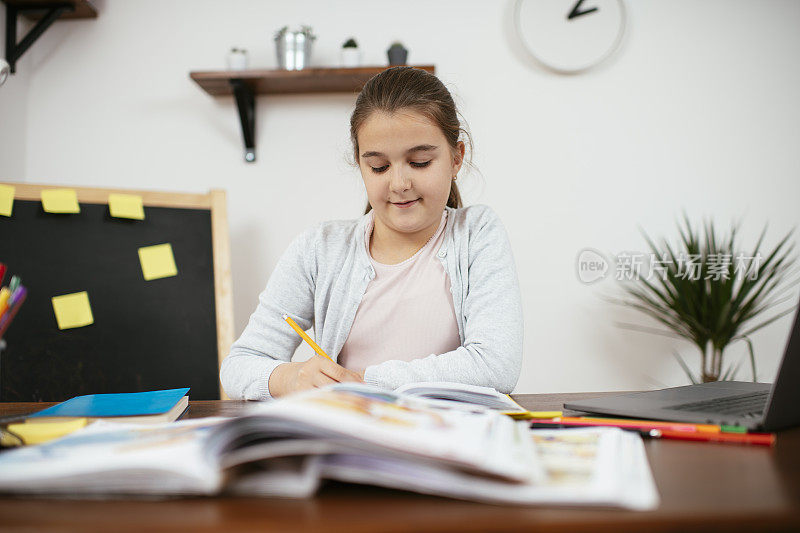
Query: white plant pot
237	60
351	57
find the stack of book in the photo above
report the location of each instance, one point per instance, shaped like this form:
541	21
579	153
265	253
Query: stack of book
64	418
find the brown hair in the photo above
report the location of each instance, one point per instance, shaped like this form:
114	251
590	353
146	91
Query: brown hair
398	88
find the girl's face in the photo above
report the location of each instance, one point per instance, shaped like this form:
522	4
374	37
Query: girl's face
407	167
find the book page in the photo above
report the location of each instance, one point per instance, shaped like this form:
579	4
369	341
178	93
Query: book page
584	467
459	392
478	439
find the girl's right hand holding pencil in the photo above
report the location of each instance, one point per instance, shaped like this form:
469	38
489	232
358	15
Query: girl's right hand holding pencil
316	372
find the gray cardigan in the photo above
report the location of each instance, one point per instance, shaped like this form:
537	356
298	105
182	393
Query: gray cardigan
323	275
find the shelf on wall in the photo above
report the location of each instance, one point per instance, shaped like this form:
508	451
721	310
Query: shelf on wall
45	13
244	85
37	9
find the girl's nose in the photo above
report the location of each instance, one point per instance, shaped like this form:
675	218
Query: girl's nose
399	181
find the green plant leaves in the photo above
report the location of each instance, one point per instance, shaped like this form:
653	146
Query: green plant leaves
698	298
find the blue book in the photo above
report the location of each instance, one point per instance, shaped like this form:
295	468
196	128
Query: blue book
137	407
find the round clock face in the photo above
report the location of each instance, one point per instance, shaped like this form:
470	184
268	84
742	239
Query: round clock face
569	36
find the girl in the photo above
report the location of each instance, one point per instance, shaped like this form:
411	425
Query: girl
419	288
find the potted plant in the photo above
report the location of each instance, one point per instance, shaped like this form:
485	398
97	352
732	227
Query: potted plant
398	54
237	59
696	300
351	55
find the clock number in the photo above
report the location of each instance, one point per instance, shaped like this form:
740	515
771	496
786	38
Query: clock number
576	12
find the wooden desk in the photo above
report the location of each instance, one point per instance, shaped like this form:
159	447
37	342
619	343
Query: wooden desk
703	486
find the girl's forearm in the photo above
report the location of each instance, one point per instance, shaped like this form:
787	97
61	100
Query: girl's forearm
279	379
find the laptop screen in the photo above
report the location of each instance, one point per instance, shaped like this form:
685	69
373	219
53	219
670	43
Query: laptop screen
783	407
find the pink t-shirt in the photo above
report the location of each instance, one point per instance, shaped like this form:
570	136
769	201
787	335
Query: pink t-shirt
407	310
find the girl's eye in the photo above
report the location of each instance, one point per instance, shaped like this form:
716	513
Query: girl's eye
413	164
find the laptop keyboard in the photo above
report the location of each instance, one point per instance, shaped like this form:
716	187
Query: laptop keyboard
747	404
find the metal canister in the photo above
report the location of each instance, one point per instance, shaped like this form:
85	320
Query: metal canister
294	47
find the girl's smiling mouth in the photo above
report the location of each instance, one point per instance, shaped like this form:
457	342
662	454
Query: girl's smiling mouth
404	205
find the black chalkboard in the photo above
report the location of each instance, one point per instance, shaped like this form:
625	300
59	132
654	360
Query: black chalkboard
146	335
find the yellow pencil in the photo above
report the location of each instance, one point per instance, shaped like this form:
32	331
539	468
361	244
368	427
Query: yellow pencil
306	338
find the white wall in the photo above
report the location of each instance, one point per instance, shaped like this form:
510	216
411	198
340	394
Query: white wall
698	110
13	123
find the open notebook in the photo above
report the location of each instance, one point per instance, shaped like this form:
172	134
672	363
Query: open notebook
464	394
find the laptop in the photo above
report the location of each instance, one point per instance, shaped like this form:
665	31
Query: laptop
755	406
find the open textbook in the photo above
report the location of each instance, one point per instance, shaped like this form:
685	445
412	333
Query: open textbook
347	432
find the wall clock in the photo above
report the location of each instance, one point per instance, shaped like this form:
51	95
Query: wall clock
570	36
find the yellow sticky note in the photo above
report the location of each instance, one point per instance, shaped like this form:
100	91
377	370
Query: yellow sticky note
6	200
60	201
39	432
73	310
157	261
126	206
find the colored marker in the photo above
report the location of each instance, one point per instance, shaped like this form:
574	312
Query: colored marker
624	424
19	293
14	283
5	294
645	433
2	271
652	424
763	439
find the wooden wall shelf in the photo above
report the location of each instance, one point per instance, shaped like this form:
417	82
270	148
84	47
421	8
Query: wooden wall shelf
309	80
45	13
245	84
37	9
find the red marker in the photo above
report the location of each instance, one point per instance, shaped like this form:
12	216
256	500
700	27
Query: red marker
2	272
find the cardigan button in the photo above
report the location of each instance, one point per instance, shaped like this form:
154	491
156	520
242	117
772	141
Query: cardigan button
442	253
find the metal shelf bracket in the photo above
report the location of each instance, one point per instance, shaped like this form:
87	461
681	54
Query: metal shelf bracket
246	102
15	50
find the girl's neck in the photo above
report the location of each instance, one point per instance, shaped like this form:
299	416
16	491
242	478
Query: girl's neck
391	247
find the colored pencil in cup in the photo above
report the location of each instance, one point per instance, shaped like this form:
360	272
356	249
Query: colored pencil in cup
15	304
305	336
5	296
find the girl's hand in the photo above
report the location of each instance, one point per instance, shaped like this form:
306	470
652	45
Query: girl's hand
316	372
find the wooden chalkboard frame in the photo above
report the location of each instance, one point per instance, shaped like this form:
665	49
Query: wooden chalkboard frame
215	201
